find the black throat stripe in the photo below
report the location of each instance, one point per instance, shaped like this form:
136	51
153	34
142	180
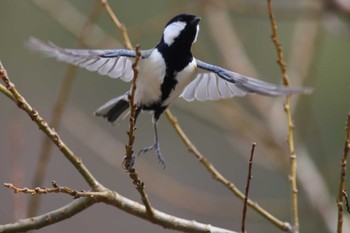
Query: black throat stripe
176	58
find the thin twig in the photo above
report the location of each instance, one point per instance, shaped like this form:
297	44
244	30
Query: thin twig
57	112
54	189
6	92
292	154
347	204
129	158
50	132
278	45
342	179
285	226
249	178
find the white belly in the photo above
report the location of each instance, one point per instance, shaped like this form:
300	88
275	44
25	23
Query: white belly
150	78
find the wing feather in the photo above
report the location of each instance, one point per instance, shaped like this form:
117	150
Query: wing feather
113	63
214	82
213	91
235	90
190	90
128	73
224	91
202	88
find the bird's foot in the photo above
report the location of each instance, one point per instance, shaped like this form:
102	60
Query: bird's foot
156	147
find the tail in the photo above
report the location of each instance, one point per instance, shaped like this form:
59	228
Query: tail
113	108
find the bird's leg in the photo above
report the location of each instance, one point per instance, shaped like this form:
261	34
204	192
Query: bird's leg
155	145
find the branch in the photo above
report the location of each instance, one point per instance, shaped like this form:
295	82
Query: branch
54	189
105	196
116	200
292	154
342	183
163	219
49	218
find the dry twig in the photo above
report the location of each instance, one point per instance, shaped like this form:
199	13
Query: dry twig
129	159
347	204
249	178
54	189
292	154
342	184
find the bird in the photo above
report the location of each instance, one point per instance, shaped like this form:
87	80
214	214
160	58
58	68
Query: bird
166	72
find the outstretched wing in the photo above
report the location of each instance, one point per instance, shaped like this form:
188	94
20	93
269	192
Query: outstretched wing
115	63
214	82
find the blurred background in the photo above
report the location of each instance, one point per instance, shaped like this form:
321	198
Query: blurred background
234	34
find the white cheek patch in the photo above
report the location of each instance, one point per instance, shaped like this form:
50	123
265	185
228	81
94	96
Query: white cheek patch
172	31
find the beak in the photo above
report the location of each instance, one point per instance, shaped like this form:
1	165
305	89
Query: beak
196	20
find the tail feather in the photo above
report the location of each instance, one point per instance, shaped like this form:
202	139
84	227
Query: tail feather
113	108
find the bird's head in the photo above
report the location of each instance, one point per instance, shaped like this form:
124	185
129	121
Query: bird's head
182	29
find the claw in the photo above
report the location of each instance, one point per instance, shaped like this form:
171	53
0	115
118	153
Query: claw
128	164
160	157
155	147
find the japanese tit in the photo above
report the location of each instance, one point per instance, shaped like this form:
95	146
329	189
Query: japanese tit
166	72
